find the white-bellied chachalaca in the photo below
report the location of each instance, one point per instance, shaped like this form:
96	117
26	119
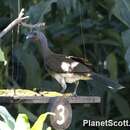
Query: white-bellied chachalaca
67	69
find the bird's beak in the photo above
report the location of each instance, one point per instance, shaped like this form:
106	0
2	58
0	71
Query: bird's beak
29	36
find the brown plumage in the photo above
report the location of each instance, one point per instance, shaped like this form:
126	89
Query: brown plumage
66	69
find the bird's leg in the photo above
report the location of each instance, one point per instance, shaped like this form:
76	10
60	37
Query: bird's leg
63	89
64	86
76	86
61	81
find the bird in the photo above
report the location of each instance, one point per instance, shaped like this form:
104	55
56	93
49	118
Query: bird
67	69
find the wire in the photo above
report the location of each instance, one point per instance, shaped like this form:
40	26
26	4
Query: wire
82	33
12	46
18	28
17	69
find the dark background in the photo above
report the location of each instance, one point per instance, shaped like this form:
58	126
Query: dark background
96	29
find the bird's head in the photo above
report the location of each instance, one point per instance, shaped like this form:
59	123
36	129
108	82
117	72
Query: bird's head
39	39
36	36
33	36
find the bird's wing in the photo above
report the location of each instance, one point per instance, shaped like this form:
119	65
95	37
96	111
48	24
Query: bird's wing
81	60
67	64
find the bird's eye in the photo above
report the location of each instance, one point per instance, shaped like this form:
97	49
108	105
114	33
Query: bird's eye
34	33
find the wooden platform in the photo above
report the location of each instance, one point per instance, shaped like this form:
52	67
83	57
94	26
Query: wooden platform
28	96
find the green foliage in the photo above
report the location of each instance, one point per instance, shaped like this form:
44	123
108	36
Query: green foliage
40	121
126	40
2	57
22	109
33	75
44	7
112	65
97	29
22	121
122	10
7	118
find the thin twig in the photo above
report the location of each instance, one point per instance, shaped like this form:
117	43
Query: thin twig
15	22
31	26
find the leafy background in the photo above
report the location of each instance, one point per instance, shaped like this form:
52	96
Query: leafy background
96	29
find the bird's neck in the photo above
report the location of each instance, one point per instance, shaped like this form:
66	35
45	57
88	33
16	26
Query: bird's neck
44	49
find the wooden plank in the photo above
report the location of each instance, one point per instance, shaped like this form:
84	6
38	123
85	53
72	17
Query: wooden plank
85	99
42	99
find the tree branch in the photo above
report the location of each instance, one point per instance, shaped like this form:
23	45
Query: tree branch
31	26
14	23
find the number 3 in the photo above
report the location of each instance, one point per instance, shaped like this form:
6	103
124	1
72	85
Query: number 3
61	108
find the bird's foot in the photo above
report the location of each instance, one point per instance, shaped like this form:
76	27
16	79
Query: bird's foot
74	94
63	90
14	92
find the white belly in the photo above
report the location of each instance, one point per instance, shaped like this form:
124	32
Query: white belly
68	77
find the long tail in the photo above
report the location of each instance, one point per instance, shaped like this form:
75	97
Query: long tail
114	85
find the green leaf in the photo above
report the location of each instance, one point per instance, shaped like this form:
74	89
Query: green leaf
108	102
13	5
2	57
48	128
112	34
22	109
36	13
4	126
112	65
65	4
122	105
126	38
87	23
122	11
31	66
127	57
22	122
126	41
38	125
8	119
